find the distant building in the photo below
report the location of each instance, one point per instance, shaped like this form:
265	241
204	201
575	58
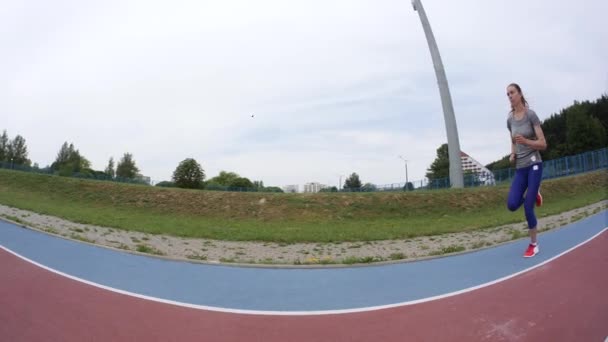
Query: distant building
291	188
314	187
469	164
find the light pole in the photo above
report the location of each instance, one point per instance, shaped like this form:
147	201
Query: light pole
456	177
406	180
340	184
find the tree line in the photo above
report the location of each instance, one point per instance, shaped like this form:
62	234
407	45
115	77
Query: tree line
578	128
190	175
70	162
13	151
352	183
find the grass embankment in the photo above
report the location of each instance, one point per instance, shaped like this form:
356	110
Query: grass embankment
323	217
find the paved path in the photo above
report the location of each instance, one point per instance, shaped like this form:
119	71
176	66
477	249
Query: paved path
55	289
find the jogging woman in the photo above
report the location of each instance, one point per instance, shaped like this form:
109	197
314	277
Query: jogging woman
527	139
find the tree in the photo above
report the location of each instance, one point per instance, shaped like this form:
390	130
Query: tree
189	174
503	163
554	129
599	110
69	161
126	167
17	151
166	184
440	168
353	182
229	179
241	183
369	187
409	186
584	132
4	145
62	156
224	178
109	171
578	128
93	173
272	189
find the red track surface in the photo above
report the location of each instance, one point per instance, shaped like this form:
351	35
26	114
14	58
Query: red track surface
564	300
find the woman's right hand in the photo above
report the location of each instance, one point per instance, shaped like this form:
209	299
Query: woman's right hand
512	158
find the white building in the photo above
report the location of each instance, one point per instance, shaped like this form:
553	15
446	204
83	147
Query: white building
469	164
314	187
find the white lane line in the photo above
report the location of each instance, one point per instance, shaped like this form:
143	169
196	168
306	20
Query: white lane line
301	313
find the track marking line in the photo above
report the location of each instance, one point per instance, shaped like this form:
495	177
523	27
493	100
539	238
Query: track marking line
302	313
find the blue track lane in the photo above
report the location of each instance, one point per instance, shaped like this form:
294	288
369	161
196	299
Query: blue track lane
289	289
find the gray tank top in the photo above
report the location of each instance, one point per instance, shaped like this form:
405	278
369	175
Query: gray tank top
524	155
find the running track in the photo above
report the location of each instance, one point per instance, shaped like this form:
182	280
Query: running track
57	290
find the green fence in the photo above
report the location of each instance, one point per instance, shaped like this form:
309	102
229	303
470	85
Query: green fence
566	166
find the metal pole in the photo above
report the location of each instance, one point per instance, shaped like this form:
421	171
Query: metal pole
406	180
456	175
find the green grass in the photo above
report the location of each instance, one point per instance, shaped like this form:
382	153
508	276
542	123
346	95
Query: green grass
361	260
516	234
197	257
285	218
147	249
448	250
13	218
51	230
81	238
397	256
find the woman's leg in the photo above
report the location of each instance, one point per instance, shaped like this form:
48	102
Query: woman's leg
518	186
535	174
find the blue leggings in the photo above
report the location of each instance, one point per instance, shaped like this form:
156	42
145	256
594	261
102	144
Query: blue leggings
526	178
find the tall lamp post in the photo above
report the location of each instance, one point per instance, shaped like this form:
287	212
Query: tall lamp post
406	180
456	176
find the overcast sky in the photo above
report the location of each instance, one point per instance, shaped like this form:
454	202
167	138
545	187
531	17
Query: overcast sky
335	86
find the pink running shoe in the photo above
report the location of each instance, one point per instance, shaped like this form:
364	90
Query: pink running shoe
531	251
539	199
